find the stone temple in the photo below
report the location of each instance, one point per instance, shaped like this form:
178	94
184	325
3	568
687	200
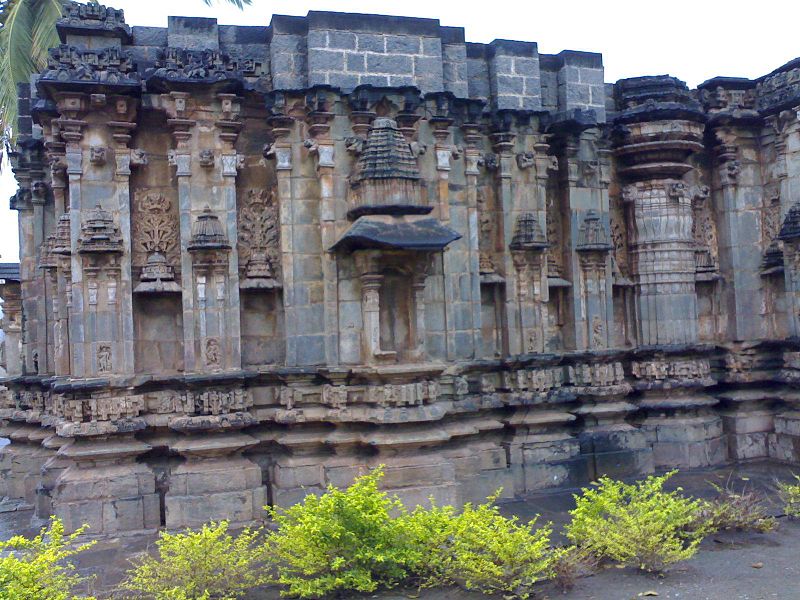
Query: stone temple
259	260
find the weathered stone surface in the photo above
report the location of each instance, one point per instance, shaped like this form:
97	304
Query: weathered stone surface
477	265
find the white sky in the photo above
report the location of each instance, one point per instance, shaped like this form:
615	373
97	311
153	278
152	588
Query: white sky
691	39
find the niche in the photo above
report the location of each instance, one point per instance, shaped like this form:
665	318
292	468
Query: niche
262	325
159	333
492	328
396	307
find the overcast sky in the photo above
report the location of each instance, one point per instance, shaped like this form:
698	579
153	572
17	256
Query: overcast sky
691	39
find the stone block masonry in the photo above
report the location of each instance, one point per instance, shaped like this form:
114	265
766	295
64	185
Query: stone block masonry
259	260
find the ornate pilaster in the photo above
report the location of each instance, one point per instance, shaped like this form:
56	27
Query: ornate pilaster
322	148
660	209
515	220
462	326
481	239
593	245
582	152
728	237
527	253
279	150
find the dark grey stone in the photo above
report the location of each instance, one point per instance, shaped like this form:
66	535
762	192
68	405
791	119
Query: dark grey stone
342	40
344	81
430	66
433	47
506	84
388	64
403	44
193	33
326	60
149	36
317	39
526	66
356	63
368	42
592	76
402	80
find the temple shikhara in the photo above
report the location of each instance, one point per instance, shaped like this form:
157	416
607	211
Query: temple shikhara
258	260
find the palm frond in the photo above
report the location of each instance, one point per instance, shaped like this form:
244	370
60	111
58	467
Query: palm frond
16	61
237	3
44	35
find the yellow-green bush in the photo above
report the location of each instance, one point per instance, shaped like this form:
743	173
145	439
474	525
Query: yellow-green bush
637	524
209	564
790	495
479	549
342	540
39	568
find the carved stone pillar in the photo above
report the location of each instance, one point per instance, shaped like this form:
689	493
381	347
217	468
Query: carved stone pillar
280	150
593	245
660	210
482	241
584	178
370	309
502	163
527	252
27	162
459	313
736	206
321	146
11	294
228	126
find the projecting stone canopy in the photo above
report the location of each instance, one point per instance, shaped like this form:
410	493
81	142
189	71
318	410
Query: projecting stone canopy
389	232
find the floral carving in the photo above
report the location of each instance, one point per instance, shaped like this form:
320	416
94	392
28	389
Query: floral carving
259	234
156	230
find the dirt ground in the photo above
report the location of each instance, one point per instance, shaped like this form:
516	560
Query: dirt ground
729	566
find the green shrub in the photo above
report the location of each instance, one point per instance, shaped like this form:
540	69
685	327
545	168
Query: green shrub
742	511
790	495
637	524
39	568
479	549
342	540
200	565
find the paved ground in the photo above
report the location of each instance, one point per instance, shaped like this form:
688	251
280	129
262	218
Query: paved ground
723	569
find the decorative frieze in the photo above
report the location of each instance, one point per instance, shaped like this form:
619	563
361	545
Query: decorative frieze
108	67
662	370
